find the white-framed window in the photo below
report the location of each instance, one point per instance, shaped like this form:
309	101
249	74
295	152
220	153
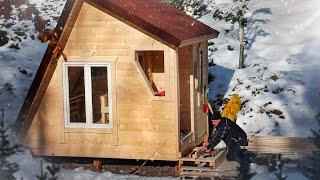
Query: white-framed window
87	95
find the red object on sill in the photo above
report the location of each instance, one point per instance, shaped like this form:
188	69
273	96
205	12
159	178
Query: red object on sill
205	107
161	93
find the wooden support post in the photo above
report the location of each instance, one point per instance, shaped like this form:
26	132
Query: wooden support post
97	164
177	168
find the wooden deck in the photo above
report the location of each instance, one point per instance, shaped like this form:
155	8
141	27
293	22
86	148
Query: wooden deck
280	145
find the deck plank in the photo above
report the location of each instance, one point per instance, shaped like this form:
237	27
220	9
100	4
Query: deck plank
280	145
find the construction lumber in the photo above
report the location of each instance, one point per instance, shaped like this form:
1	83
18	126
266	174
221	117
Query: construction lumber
280	145
202	164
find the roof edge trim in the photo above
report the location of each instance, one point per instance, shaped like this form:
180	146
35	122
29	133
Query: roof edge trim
198	39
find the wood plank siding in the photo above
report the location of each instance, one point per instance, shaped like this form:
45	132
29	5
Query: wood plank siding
144	126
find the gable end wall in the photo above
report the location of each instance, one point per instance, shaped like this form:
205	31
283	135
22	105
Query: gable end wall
145	127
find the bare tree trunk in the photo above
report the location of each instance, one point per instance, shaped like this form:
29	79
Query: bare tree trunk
241	36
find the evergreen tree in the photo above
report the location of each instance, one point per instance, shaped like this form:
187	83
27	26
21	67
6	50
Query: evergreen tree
7	169
53	170
236	16
42	175
195	8
313	172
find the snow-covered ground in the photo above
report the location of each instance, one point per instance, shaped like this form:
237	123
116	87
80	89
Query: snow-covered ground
18	66
290	170
30	167
283	66
282	73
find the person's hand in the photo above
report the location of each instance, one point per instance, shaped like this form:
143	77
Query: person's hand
206	143
203	148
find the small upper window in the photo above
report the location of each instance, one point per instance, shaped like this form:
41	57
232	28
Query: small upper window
152	64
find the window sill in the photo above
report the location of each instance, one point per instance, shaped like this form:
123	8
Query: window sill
150	90
161	98
88	130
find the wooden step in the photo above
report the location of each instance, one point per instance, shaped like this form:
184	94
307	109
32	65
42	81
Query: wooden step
201	164
229	173
199	169
210	159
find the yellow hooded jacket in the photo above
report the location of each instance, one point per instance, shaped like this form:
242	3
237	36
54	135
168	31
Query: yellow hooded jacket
232	108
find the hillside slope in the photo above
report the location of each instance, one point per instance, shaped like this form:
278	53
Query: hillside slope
280	84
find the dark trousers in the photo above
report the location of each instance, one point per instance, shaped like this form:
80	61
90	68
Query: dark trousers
242	157
234	150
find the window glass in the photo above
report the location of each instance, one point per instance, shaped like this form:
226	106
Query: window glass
100	98
77	105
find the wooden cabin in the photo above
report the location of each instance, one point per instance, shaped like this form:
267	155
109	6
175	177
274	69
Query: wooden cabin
132	88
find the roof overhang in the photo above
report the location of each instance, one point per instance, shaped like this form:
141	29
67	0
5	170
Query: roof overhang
199	39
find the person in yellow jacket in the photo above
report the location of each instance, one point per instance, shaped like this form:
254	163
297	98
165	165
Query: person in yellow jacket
232	108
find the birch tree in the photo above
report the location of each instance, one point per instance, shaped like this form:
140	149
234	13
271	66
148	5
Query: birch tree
236	15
